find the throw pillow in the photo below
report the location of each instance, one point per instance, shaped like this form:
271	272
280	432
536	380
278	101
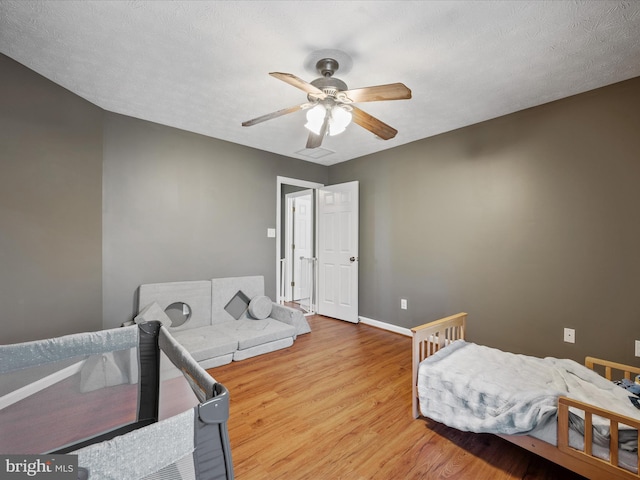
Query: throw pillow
151	312
260	307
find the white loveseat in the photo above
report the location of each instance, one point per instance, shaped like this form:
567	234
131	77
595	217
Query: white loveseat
225	318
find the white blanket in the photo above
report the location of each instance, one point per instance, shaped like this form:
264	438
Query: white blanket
481	389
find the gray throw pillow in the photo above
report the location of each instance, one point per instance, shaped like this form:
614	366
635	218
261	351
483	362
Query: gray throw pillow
151	312
260	307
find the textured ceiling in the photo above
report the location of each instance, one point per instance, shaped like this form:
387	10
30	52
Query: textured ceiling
203	66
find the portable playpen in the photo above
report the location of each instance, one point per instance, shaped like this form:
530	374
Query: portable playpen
130	402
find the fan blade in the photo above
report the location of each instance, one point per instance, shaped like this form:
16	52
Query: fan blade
392	91
277	114
297	82
315	140
372	124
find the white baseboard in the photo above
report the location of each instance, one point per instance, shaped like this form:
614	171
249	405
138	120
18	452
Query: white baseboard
386	326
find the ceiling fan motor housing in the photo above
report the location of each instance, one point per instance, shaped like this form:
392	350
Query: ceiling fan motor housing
327	67
329	85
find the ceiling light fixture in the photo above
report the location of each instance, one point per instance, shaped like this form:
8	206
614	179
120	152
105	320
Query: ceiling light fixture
337	116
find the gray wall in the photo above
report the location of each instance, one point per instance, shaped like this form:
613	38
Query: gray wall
180	206
93	204
50	208
529	222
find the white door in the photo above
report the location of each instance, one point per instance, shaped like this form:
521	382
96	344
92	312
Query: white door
338	251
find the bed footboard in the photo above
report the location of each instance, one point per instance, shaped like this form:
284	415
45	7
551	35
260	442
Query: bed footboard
606	368
428	339
583	462
586	455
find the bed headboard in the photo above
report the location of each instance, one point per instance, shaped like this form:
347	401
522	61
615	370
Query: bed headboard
431	337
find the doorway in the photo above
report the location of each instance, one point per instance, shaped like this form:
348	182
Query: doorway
333	276
286	189
299	248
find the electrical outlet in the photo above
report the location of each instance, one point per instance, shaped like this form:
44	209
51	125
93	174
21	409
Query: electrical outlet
569	335
403	303
637	348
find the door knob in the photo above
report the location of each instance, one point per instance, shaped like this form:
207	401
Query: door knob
353	259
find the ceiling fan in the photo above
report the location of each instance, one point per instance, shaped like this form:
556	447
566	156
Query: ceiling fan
330	104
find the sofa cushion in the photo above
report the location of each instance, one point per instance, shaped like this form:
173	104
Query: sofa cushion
205	342
217	361
196	294
260	307
292	317
262	348
250	333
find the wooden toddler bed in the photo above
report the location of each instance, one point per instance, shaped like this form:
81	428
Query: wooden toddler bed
432	337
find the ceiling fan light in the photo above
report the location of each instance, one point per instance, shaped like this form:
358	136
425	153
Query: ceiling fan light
336	129
340	118
315	118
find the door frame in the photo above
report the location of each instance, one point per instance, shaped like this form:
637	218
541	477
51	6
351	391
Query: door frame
296	183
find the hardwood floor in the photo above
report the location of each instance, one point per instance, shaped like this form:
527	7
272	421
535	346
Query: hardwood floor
337	405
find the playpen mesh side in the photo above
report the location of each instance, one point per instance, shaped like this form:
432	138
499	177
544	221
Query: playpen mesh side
212	450
59	392
66	387
192	445
201	383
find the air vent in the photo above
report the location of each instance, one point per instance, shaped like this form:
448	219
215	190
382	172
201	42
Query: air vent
314	153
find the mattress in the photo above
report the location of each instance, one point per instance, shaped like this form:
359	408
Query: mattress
481	389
